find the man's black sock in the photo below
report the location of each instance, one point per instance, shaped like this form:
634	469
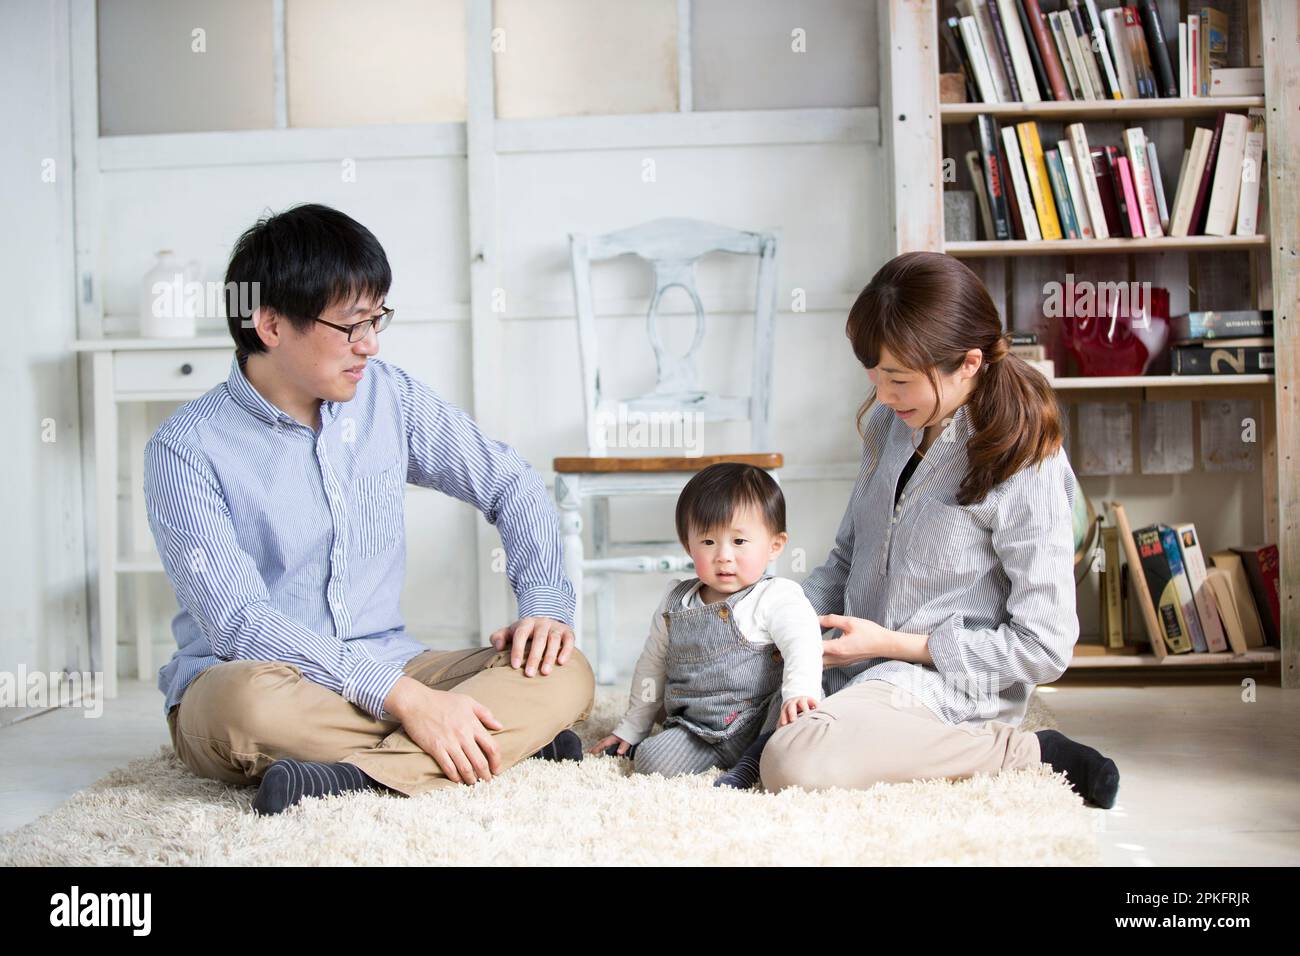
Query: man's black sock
1092	775
288	781
566	746
744	774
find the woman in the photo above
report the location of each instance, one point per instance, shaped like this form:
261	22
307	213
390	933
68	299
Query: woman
951	580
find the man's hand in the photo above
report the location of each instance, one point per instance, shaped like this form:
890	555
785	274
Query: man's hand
795	706
551	643
451	728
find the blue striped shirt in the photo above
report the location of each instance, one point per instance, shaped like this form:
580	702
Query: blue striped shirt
287	544
991	583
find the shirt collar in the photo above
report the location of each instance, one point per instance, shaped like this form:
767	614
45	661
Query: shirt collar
252	401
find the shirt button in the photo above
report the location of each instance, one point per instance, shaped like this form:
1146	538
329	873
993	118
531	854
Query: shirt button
724	613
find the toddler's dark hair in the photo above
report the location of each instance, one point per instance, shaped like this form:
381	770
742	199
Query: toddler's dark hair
717	492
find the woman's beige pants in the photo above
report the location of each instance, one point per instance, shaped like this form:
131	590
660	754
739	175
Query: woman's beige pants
874	732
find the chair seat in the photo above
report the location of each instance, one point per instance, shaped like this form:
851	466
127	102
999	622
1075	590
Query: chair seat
574	466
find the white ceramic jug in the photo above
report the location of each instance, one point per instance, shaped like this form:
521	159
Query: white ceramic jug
167	310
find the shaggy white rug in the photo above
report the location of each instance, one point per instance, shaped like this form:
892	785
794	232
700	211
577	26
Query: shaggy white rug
154	812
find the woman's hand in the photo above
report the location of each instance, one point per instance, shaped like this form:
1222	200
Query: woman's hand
795	706
860	640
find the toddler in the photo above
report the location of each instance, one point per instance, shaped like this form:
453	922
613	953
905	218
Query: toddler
733	652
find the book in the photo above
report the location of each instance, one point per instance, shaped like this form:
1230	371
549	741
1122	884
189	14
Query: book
986	140
1158	183
1214	44
1182	61
1237	81
1077	202
951	33
1003	49
1086	52
1035	56
1163	588
979	11
1182	587
1113	20
1063	55
1022	338
1211	324
1076	51
1157	45
1242	597
1106	191
1261	566
979	62
1207	608
1018	44
1099	43
1222	358
1112	618
1189	182
1221	213
1039	185
976	170
1047	48
1136	143
1146	78
1061	195
1196	225
1030	353
1087	180
1194	55
1252	164
1140	591
1131	201
1220	584
1020	184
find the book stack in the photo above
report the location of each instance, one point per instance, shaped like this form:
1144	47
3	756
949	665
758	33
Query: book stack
1025	345
1025	51
1074	189
1222	343
1189	606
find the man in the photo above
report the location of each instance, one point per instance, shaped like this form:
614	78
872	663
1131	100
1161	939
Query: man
276	504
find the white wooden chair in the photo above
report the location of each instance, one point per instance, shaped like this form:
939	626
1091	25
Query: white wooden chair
671	247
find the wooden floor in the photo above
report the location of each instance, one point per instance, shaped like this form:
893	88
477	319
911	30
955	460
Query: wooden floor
1208	779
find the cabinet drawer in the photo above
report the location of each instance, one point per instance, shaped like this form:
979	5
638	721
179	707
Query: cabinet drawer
171	371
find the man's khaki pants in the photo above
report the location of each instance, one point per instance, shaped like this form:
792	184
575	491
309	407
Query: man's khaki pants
874	732
238	717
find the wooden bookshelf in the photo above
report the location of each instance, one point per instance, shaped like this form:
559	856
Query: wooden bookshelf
1072	111
984	248
919	133
1091	657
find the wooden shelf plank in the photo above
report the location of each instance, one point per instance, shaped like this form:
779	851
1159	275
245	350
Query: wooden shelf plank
1157	381
985	248
1252	658
1098	109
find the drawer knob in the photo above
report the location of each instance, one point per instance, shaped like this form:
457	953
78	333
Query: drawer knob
187	368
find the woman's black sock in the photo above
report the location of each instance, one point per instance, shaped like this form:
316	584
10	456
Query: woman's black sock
1092	775
288	781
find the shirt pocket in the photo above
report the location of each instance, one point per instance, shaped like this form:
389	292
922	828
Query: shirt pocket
948	538
377	512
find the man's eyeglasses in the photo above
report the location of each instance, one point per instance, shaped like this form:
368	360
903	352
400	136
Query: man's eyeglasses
359	331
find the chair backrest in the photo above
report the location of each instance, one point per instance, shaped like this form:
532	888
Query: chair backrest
672	247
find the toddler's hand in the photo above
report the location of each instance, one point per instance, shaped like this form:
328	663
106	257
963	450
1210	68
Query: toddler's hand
609	743
795	706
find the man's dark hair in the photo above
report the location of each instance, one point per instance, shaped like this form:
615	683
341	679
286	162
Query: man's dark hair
299	263
716	493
